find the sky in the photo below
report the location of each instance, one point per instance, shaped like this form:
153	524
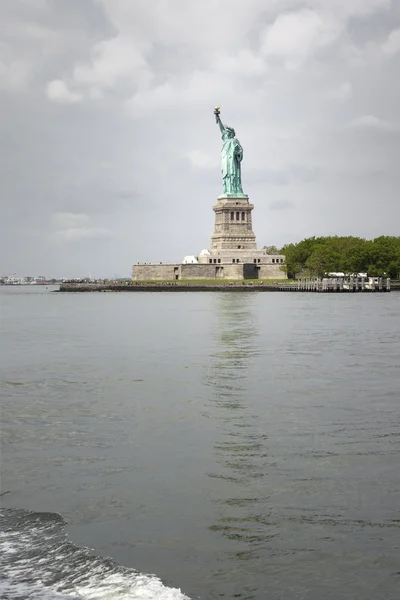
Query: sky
110	154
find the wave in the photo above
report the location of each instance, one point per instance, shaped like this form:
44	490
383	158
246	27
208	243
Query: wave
39	562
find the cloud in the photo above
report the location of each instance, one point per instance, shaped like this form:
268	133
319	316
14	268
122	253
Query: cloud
70	220
294	36
356	9
285	175
126	195
112	60
15	74
200	160
391	46
73	227
198	89
343	92
26	45
269	175
83	233
245	63
58	90
281	205
372	123
372	52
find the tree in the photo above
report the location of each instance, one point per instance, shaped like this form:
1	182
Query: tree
296	255
271	249
386	254
393	269
323	260
345	254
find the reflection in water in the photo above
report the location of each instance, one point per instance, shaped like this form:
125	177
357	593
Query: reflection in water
240	447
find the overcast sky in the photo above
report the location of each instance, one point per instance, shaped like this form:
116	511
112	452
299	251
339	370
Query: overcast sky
109	149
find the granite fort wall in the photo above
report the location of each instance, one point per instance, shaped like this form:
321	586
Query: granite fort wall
154	272
266	271
230	271
196	271
184	272
233	271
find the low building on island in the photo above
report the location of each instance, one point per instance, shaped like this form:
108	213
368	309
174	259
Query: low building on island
233	253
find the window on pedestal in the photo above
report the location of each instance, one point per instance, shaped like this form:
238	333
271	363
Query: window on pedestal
232	216
243	216
237	216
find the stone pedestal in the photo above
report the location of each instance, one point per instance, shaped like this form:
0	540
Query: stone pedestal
233	224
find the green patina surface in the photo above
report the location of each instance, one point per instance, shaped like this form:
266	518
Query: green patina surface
231	158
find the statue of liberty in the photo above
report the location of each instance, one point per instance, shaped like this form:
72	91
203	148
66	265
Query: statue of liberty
231	158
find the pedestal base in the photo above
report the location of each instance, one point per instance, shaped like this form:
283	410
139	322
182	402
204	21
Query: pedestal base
233	224
230	196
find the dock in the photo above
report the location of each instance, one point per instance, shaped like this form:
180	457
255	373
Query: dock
337	285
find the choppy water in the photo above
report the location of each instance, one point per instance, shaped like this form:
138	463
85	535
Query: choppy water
236	445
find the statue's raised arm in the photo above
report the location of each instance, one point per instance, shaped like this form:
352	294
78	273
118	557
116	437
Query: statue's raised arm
231	158
218	119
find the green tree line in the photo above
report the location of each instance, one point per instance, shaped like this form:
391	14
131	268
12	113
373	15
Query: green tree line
321	255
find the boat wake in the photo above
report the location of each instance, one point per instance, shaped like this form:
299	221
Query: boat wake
39	562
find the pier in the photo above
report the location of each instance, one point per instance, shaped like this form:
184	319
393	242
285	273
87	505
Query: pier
338	285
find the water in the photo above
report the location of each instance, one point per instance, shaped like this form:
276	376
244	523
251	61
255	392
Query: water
235	445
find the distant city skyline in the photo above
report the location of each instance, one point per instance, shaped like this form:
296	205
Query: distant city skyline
20	279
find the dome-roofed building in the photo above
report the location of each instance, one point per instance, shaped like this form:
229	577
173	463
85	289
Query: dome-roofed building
190	260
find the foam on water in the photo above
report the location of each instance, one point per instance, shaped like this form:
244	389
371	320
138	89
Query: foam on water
38	562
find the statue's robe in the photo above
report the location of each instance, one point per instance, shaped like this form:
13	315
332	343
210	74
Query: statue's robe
232	155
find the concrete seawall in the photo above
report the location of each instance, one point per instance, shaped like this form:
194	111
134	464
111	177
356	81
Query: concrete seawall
213	287
164	287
